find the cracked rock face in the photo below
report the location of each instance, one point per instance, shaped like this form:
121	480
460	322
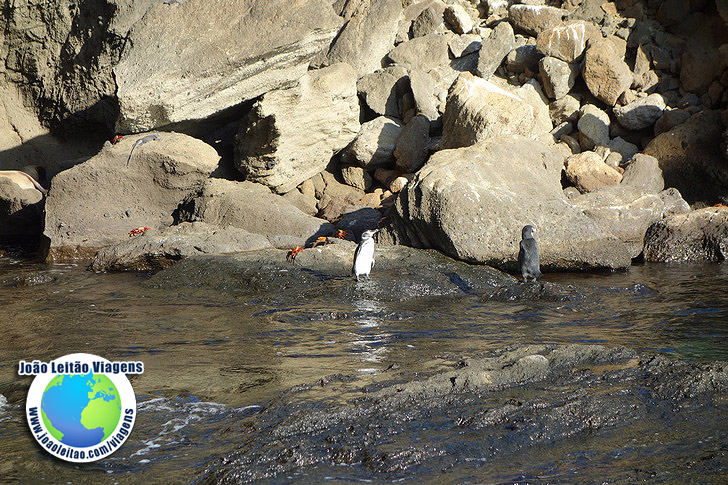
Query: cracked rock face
187	62
291	134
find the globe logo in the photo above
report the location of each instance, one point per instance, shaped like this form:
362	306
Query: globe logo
81	410
80	407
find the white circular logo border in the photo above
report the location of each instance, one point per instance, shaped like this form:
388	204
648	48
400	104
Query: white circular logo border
90	453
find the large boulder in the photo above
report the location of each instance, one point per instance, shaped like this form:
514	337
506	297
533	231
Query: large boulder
557	76
411	151
367	36
291	134
700	235
477	109
643	172
155	250
626	212
382	90
187	62
587	171
472	202
565	42
690	158
253	208
425	53
374	146
534	19
494	49
96	203
606	74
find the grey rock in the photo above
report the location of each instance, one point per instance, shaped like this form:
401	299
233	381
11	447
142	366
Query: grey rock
557	76
643	172
253	208
472	202
566	42
606	75
159	175
411	151
462	45
522	58
534	19
587	171
172	69
423	89
669	119
382	90
21	210
496	47
641	113
478	109
691	160
155	250
627	212
565	109
429	21
356	177
374	145
425	53
366	38
459	19
268	272
697	236
626	149
291	134
593	127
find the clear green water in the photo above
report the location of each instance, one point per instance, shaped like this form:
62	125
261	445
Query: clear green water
212	358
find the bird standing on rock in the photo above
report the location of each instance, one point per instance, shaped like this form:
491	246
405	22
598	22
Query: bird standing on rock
528	261
364	255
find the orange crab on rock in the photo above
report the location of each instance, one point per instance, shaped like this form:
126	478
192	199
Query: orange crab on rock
138	231
294	252
342	234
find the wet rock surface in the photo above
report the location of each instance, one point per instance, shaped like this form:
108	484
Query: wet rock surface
401	273
487	412
700	235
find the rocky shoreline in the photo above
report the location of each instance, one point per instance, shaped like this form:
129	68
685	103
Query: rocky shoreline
447	124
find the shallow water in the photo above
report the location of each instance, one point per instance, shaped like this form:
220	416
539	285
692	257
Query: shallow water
215	357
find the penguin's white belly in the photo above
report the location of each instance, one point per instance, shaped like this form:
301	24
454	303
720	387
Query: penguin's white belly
365	259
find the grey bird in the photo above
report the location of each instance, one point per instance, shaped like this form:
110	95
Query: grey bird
528	262
364	255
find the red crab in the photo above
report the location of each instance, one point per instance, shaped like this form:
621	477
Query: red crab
293	253
116	139
138	231
342	234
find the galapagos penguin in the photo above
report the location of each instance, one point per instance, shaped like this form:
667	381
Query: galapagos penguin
528	262
364	255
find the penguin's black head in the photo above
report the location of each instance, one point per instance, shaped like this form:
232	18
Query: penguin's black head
528	232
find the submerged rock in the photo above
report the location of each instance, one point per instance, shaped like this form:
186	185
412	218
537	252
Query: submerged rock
500	409
400	273
155	250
